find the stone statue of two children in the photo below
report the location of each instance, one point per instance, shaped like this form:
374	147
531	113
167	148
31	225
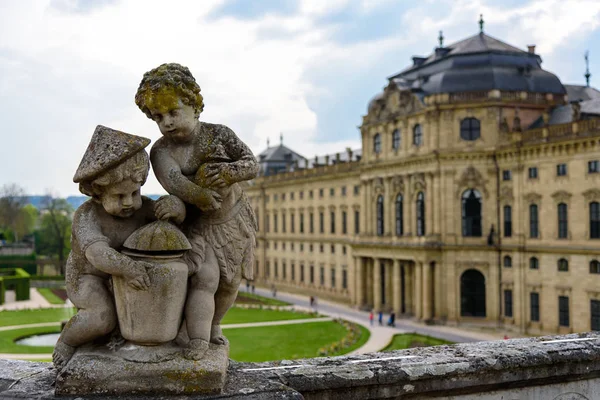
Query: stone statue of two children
200	165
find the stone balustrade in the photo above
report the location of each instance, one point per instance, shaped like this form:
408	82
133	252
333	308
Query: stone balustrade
552	367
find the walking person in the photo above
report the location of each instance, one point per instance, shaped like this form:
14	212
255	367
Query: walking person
380	319
371	317
392	320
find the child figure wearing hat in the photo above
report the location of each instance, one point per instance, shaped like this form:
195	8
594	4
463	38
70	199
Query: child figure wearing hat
111	172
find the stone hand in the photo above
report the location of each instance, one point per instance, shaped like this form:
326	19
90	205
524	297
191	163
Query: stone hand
210	200
140	280
169	207
215	175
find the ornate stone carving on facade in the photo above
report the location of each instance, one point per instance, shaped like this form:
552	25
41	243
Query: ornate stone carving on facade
418	183
378	186
591	195
504	128
516	122
533	198
575	111
471	178
397	185
561	196
506	194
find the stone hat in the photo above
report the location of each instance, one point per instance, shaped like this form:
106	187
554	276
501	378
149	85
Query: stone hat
107	149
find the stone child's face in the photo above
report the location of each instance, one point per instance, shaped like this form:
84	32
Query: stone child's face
175	120
122	199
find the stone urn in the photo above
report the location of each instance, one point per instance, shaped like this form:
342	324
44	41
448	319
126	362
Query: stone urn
153	316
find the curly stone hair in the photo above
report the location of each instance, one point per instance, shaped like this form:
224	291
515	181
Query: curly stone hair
172	77
135	168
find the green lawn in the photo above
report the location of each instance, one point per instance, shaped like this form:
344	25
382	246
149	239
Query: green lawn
242	315
50	296
364	336
249	298
22	317
410	340
8	345
282	342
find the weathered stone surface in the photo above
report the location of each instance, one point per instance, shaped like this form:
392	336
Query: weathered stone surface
560	367
98	370
157	236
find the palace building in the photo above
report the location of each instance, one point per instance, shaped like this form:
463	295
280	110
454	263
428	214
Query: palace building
475	198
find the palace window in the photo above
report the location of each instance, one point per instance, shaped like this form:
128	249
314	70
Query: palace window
471	213
344	279
508	303
292	223
332	218
356	190
301	272
356	222
533	172
396	139
283	270
276	268
534	306
563	265
594	220
322	276
312	274
283	222
420	214
593	167
595	314
533	221
563	311
417	135
507	262
344	222
377	143
594	267
311	222
563	221
275	223
561	170
380	215
321	191
333	278
343	190
507	221
534	263
506	175
301	222
332	249
268	223
331	192
470	129
399	216
321	222
293	272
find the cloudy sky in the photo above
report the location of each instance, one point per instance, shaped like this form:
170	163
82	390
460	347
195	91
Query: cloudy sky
306	68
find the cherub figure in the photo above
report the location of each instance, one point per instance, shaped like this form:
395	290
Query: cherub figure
112	171
202	163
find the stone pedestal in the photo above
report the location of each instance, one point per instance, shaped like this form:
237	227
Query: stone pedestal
139	370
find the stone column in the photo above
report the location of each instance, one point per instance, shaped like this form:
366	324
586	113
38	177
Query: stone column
368	274
397	292
389	289
429	210
376	284
418	286
359	282
427	304
408	282
409	208
388	224
364	209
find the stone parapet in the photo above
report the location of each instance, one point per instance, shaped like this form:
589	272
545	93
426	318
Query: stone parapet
551	367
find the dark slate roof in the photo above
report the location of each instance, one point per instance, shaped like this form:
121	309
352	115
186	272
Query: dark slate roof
356	156
278	153
581	93
564	114
478	63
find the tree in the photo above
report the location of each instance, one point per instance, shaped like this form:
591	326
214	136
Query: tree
12	199
54	236
26	221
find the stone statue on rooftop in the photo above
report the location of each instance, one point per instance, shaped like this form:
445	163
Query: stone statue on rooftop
152	280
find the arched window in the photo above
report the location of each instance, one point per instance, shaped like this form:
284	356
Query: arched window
594	267
563	221
507	261
470	129
471	213
420	214
594	220
563	265
396	139
377	143
399	216
534	263
380	215
417	135
533	221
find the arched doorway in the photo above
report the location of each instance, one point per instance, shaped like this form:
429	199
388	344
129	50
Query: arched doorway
472	294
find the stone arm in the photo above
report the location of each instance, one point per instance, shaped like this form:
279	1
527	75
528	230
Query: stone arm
110	261
245	166
169	175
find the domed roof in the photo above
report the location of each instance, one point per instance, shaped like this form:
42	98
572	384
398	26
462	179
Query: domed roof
158	236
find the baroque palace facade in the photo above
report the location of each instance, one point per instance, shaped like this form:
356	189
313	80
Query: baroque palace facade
475	198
